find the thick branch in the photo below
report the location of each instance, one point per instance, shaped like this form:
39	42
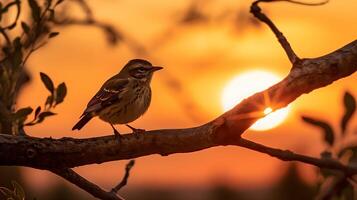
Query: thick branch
306	75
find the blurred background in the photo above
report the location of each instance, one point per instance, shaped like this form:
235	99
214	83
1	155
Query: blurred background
202	46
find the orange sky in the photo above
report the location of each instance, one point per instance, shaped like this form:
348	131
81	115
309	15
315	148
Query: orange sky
203	57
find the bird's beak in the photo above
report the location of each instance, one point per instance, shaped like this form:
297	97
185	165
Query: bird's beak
156	68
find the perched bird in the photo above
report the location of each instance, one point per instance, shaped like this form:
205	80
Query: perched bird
123	98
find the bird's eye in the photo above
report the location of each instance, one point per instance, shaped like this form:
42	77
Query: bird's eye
141	70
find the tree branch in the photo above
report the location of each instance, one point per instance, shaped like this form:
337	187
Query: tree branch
84	184
306	76
124	181
287	155
256	11
92	188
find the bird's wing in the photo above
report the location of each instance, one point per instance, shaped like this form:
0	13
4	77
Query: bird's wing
108	93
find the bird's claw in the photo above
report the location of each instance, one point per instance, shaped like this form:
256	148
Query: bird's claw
136	130
116	133
139	131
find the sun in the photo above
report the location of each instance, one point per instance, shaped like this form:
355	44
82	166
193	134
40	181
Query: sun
247	84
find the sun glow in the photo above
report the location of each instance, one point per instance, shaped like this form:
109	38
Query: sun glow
247	84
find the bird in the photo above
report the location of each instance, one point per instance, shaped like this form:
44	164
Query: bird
123	98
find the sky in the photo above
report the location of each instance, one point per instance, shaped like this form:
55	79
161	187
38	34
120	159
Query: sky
199	60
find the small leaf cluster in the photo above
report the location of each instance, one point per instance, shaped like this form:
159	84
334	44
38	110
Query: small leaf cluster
35	31
346	154
15	51
17	193
56	96
20	38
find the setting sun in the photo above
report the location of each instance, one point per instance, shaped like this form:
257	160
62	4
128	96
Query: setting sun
245	85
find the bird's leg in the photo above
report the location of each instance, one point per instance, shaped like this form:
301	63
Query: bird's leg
135	130
116	133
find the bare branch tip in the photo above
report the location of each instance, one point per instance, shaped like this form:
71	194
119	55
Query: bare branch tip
306	3
294	2
125	178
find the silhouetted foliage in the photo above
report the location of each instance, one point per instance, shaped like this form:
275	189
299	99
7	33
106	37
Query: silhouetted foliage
336	184
19	40
37	31
292	187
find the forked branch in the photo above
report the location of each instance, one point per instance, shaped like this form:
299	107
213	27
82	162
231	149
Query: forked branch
257	12
84	184
92	188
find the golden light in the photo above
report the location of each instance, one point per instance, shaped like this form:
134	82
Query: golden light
247	84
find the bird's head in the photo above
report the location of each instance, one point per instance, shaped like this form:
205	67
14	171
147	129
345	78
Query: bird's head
139	69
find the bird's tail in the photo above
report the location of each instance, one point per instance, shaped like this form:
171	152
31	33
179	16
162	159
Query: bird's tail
83	121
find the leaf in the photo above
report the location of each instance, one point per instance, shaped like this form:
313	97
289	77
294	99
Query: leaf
33	122
17	42
53	34
350	107
22	113
47	82
328	131
35	10
17	58
49	101
61	93
18	190
49	3
43	115
37	111
344	150
25	27
52	14
59	2
12	26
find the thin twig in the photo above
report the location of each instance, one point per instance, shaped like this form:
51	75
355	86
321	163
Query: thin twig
332	186
86	9
86	185
113	35
37	28
306	3
16	3
287	155
124	181
6	36
256	11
